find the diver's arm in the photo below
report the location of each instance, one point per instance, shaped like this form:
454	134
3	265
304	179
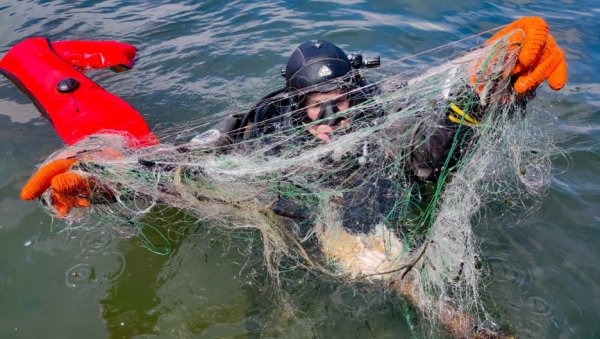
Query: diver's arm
429	145
222	134
539	57
437	143
244	126
433	141
431	148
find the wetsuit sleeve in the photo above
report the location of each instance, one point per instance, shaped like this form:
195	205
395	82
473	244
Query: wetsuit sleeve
432	143
435	147
426	143
249	125
221	134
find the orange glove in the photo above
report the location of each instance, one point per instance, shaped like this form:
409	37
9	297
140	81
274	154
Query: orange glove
540	58
69	189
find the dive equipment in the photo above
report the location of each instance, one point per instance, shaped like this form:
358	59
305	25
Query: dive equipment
50	74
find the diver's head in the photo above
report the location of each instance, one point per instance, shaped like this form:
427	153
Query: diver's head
320	74
317	66
322	81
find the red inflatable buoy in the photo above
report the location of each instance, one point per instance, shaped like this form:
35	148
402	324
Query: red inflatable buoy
50	74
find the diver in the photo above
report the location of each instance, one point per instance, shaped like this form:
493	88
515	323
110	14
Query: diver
320	82
320	97
323	86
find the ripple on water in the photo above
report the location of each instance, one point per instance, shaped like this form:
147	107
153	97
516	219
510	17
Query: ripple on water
117	268
100	269
80	275
530	315
538	306
96	241
537	318
514	272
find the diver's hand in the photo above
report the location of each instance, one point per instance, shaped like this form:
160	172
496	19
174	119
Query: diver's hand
68	189
322	131
539	58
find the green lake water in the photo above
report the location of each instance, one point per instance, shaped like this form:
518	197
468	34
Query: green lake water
197	60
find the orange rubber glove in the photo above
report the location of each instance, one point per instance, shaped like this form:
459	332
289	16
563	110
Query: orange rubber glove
69	189
540	58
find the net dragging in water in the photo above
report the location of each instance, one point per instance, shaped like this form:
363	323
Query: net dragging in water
353	207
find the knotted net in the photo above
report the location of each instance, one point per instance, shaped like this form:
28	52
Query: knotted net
353	207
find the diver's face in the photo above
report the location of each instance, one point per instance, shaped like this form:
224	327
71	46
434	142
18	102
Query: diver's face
313	105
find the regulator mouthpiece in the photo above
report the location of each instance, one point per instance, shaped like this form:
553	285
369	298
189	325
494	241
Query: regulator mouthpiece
329	109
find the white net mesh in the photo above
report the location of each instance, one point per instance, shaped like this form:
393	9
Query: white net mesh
352	207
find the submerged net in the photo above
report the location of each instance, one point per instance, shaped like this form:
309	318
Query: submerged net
352	207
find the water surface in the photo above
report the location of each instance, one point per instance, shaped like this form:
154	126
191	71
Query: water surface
200	60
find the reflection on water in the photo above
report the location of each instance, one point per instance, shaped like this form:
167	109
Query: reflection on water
198	61
190	291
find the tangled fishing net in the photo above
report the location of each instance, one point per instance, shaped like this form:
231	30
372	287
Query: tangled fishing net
352	207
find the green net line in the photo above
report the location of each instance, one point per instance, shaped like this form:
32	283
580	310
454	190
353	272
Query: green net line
364	215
